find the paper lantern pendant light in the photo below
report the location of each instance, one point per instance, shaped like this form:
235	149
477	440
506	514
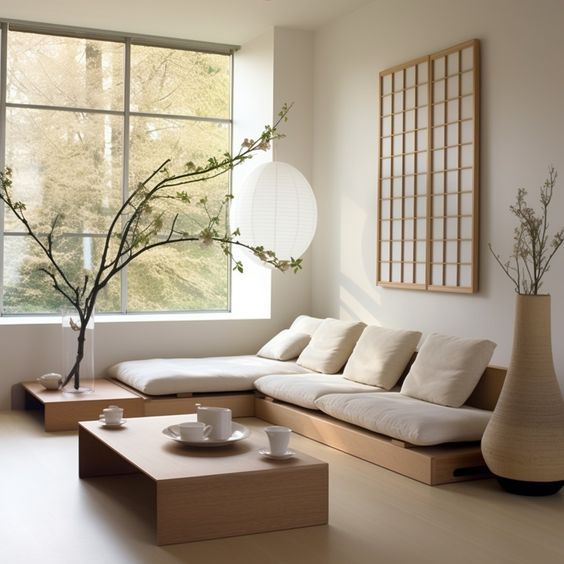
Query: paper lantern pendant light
275	208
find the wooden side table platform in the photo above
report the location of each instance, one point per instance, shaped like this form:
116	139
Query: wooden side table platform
63	411
207	493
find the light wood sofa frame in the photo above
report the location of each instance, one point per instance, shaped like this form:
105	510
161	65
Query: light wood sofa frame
431	465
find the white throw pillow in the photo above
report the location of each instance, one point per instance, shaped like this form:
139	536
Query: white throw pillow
305	324
447	369
331	345
381	355
285	346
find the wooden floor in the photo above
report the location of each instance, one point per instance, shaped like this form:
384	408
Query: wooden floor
48	515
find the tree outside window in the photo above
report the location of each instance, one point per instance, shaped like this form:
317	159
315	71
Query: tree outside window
87	119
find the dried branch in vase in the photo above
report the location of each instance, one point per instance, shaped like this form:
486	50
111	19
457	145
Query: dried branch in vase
533	249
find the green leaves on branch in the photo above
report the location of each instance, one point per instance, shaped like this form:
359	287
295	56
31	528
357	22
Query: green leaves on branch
5	196
269	257
296	264
533	249
183	197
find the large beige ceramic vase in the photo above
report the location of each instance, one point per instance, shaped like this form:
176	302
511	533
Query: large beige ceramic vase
523	444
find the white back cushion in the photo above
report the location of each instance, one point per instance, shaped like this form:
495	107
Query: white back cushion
447	369
285	346
305	324
381	355
331	345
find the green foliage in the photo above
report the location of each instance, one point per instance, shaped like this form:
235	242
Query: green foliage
533	250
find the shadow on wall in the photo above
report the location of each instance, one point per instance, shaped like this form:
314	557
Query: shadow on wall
356	303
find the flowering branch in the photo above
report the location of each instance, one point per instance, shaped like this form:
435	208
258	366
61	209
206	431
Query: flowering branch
532	250
138	227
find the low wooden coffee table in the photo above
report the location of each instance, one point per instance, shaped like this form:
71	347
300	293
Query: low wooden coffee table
206	493
63	411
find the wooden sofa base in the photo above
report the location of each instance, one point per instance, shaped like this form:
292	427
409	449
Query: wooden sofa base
431	465
240	403
62	412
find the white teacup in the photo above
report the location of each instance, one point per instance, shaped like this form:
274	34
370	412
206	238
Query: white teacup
220	420
51	381
279	438
112	415
194	431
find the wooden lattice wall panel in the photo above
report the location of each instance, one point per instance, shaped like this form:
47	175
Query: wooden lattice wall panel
429	171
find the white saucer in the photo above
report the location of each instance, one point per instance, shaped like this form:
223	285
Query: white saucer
288	454
239	432
112	425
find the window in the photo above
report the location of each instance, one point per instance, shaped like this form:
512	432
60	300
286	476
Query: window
86	116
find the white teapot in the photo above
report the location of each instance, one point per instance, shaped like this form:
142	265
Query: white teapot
51	381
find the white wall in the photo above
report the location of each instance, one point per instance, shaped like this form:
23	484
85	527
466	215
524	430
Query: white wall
522	133
271	70
293	82
27	351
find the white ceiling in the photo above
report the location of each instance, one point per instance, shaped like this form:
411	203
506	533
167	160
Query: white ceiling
241	20
221	21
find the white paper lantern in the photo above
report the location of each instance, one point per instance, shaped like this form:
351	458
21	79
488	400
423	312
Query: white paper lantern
275	208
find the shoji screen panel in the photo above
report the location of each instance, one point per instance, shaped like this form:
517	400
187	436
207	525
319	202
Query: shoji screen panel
454	77
429	171
403	168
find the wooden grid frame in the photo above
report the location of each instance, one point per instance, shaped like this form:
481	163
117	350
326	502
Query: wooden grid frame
428	188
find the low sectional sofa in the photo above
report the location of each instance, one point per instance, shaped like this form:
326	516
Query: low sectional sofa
362	389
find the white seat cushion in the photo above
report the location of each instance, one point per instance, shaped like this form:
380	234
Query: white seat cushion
381	355
304	389
447	369
407	419
161	376
331	345
286	345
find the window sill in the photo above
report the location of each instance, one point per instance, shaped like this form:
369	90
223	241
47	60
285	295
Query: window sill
134	318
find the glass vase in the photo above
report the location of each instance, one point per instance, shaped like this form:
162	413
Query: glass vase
78	373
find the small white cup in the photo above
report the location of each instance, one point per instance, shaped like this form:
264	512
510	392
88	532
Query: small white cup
194	431
278	438
112	415
50	381
220	420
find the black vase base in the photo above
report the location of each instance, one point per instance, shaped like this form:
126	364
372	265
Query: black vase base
535	489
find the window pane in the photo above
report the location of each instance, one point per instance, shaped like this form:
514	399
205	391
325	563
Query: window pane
187	276
152	141
180	82
65	162
28	290
65	71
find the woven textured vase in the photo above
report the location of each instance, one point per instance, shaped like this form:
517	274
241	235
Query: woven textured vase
523	444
